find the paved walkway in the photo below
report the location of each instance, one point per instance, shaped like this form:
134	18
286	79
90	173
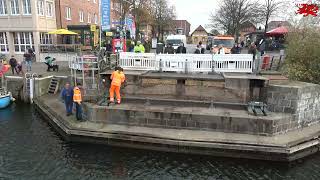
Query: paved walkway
41	69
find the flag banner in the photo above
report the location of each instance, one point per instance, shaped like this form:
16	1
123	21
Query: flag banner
105	15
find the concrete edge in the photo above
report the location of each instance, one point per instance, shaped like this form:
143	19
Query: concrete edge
124	139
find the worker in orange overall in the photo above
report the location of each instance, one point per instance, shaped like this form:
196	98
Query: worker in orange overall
117	78
77	99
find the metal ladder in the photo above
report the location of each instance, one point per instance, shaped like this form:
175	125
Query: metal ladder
54	85
29	86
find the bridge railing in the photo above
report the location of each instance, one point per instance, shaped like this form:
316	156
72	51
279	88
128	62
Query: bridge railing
187	63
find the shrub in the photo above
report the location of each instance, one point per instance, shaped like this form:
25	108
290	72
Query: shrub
303	55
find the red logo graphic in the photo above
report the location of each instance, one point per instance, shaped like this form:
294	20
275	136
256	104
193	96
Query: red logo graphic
308	9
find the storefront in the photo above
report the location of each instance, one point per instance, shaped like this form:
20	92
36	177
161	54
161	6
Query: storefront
88	35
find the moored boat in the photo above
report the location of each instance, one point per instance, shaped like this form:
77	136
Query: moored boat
5	99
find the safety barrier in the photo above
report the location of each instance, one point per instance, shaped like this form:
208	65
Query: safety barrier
187	63
233	63
134	61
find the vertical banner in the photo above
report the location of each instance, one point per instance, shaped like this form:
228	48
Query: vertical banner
105	15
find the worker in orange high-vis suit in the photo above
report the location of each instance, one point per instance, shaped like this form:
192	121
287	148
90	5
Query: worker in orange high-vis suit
77	99
117	78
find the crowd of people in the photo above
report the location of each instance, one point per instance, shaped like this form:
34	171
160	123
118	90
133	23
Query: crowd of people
17	66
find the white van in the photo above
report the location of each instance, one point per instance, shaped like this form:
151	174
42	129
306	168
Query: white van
175	40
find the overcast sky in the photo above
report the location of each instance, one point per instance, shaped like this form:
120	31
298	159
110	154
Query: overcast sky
197	12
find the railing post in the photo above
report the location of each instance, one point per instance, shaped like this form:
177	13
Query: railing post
186	67
212	64
160	65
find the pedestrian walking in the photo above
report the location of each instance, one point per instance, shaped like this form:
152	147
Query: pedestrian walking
77	99
221	49
13	63
169	49
117	78
236	49
202	49
28	59
198	50
262	46
19	68
67	96
181	49
253	50
139	48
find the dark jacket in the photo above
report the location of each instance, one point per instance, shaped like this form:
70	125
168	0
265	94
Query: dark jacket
181	50
262	46
169	50
13	62
235	50
27	56
253	50
67	94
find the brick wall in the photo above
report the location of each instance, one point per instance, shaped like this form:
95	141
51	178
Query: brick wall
83	5
297	98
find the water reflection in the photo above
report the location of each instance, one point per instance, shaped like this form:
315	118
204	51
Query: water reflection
6	114
30	149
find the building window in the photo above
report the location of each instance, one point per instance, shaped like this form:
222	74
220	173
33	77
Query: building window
26	7
46	38
3	7
14	5
23	41
4	48
81	16
41	7
68	13
89	17
95	19
49	9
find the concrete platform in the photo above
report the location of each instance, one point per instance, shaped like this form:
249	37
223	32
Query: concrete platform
284	147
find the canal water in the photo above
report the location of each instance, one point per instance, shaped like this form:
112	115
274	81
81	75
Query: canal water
31	149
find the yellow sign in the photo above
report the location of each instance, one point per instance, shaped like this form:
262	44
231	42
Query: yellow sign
109	33
93	28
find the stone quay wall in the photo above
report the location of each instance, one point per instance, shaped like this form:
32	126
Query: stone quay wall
297	98
186	89
217	119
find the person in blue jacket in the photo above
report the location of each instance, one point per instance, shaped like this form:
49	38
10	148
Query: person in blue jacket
67	96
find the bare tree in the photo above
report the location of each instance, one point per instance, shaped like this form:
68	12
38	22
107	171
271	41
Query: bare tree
232	14
269	9
140	9
163	16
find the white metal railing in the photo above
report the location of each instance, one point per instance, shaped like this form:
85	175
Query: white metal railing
233	63
172	63
134	61
201	63
187	62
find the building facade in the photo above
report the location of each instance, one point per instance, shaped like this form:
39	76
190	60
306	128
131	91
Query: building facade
182	27
247	28
275	24
199	34
79	16
24	25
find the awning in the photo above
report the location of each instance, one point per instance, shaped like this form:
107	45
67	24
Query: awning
278	31
63	32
